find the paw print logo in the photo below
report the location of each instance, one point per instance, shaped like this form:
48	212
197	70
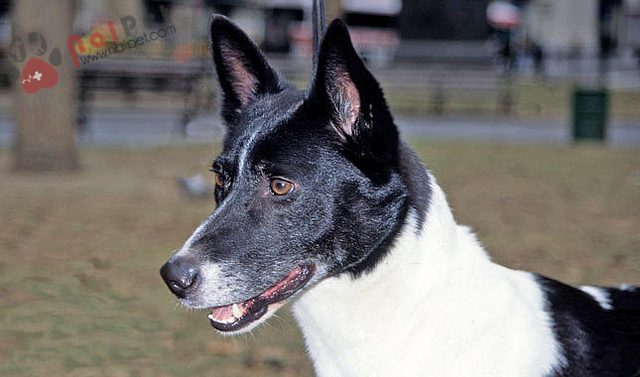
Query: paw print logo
36	73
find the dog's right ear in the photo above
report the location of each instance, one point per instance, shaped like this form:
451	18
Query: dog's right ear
359	116
242	70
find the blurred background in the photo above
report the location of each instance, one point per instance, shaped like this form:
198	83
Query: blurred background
528	112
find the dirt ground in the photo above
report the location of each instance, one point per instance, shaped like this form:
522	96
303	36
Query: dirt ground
80	293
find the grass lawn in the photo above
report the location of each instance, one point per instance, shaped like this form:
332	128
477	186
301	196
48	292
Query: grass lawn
80	293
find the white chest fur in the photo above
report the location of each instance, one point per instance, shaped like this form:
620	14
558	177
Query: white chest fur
435	306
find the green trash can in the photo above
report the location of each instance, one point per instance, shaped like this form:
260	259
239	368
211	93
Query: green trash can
590	113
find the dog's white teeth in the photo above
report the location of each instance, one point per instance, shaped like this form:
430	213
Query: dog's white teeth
237	312
225	321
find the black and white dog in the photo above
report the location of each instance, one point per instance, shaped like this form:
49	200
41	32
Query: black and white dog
319	199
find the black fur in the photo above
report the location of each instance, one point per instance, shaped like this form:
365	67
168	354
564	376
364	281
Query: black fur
595	342
355	182
372	140
234	53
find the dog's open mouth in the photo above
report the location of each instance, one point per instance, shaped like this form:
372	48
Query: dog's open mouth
234	317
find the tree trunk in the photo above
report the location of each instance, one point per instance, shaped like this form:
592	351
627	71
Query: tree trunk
45	117
333	10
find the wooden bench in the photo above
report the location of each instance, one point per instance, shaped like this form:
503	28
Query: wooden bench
131	75
435	87
438	89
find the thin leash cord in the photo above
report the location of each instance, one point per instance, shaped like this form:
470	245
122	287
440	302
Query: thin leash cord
319	25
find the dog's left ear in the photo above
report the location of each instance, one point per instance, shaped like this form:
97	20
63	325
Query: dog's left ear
358	111
243	71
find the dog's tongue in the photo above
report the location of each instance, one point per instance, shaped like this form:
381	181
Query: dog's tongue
222	314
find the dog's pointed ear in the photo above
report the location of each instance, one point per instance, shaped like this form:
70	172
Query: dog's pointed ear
358	111
243	72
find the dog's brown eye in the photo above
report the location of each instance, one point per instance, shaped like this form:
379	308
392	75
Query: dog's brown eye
281	186
217	179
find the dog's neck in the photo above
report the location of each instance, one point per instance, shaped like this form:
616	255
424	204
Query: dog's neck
436	288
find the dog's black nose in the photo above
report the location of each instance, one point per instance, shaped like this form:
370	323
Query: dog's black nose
180	274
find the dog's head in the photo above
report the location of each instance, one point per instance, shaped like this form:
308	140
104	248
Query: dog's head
309	184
